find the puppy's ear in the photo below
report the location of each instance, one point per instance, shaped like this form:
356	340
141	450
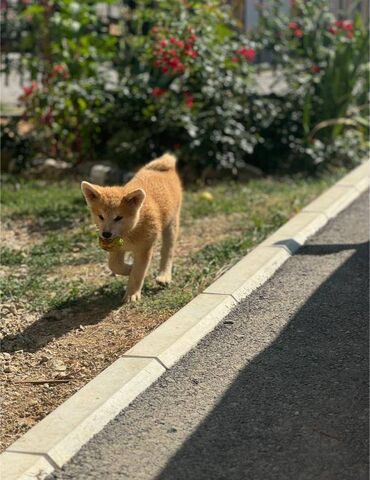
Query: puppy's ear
135	198
90	191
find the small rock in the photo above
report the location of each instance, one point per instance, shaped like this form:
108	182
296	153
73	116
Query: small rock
59	366
49	169
104	174
6	355
99	174
8	369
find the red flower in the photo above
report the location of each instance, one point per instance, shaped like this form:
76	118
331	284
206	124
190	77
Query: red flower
332	30
158	92
298	33
339	23
163	43
180	68
29	89
165	69
180	43
173	40
174	62
347	25
315	69
190	52
189	100
59	69
293	25
248	53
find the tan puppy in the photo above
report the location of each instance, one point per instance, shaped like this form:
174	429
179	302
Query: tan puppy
139	212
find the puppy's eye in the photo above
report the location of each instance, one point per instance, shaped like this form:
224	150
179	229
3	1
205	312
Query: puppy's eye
101	217
117	219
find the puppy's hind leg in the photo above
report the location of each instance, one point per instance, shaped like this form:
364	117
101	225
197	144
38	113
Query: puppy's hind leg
169	237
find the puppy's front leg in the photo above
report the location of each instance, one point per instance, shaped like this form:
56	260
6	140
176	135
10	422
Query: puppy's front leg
137	275
116	263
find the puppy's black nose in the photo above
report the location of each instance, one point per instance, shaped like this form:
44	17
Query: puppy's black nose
107	234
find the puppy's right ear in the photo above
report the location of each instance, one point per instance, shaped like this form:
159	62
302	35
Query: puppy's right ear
90	191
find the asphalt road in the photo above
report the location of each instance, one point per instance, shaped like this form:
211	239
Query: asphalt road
277	391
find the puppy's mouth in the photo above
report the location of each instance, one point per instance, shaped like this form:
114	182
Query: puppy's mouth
111	238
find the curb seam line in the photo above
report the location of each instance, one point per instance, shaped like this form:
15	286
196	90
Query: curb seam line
147	357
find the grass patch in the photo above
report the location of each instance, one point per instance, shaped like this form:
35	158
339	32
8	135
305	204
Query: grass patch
215	234
51	206
10	257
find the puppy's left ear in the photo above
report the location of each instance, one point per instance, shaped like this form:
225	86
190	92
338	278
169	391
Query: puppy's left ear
90	191
135	198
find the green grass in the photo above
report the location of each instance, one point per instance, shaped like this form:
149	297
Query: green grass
58	214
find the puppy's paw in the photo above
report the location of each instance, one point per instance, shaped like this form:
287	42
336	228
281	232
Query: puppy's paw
163	279
131	298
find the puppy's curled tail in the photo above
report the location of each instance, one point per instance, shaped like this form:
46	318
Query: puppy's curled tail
162	164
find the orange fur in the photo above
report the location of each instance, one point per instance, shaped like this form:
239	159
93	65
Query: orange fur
149	205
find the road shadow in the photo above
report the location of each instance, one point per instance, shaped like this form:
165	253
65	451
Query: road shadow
298	411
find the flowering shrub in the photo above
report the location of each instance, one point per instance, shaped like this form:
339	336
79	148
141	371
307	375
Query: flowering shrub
184	80
67	98
322	61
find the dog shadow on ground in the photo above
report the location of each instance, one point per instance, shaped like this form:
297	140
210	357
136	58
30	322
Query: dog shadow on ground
87	309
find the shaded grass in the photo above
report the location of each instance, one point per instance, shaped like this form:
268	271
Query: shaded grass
249	212
51	206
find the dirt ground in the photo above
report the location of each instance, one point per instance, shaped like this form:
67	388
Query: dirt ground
47	357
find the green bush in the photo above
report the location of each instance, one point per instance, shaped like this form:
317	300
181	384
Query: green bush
68	97
184	80
184	76
320	118
16	149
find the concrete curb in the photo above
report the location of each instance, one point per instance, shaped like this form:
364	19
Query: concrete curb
54	440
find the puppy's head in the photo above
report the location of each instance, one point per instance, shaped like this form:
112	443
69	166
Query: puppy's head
114	211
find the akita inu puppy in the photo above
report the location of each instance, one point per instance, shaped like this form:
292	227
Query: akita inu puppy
139	212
